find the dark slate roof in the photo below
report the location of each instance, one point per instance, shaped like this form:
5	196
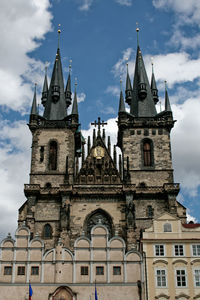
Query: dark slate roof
56	110
145	107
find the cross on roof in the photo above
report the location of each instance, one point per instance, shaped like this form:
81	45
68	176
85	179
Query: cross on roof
99	124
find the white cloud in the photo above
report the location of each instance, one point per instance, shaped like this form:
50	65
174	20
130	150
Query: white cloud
191	218
22	27
186	145
186	13
113	90
124	2
85	5
15	141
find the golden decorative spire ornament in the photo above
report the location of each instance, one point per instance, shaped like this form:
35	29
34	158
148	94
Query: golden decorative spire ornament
70	65
137	30
59	32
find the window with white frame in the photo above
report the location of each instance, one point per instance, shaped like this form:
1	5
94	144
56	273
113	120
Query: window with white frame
161	280
178	250
196	250
197	277
181	278
159	250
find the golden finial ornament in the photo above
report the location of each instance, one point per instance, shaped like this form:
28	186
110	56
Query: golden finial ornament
76	82
70	65
59	31
137	30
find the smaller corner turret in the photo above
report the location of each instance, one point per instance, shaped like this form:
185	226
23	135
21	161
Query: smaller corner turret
45	89
34	110
129	90
74	113
154	89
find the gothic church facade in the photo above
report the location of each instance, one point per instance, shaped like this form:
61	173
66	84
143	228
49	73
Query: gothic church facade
86	209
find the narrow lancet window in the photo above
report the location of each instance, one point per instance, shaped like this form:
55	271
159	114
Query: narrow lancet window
53	149
47	232
147	154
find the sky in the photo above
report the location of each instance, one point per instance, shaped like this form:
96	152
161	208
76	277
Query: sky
99	36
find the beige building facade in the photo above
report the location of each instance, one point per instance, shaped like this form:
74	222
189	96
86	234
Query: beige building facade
172	252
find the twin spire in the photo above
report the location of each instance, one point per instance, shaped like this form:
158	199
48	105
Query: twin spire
55	98
141	97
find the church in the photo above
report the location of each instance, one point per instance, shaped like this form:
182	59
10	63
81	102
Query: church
81	230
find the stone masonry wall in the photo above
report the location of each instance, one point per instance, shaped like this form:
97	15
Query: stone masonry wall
161	171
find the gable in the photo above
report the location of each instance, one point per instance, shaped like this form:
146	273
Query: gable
98	167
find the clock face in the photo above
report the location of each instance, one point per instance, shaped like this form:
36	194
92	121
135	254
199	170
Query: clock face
98	152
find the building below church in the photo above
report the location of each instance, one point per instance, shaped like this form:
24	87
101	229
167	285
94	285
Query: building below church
88	213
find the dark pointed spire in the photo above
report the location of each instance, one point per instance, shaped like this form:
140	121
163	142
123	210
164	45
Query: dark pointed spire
34	110
128	88
121	100
109	144
75	102
154	89
89	145
68	93
45	89
167	103
55	107
142	104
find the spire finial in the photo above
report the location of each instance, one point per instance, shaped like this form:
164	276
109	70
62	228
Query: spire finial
137	30
35	86
70	65
165	85
120	83
76	83
152	64
59	31
46	67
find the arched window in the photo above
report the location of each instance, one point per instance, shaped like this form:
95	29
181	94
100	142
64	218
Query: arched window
98	217
47	231
147	154
53	149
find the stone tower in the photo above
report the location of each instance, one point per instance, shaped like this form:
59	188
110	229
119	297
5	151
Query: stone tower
71	189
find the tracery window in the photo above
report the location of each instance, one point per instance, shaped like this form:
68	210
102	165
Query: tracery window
99	217
53	149
47	232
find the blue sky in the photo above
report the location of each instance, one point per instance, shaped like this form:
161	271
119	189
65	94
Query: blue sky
99	36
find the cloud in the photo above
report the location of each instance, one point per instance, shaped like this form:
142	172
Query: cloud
191	218
124	2
186	145
15	142
86	4
23	27
186	13
113	90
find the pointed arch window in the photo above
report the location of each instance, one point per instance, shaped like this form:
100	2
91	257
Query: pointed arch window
47	231
147	153
53	150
